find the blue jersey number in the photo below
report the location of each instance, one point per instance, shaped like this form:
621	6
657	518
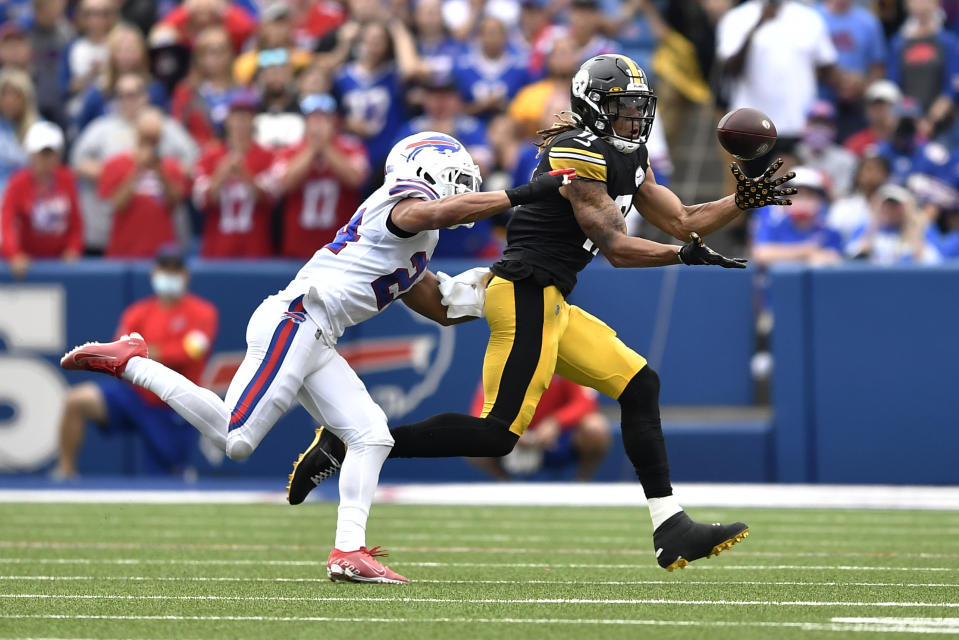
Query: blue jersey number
389	287
347	233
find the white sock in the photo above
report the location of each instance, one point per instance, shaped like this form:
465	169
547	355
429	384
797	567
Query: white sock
358	477
661	509
200	407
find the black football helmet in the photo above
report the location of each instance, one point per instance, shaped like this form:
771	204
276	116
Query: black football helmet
612	87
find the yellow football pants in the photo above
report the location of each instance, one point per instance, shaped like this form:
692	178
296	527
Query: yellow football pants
535	333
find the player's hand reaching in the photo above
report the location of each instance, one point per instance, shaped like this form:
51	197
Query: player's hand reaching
539	187
695	252
763	190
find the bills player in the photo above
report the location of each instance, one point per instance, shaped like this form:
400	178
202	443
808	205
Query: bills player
380	255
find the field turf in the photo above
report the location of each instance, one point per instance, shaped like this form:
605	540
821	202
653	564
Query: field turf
258	571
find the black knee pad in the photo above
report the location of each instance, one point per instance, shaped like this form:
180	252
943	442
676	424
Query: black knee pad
641	396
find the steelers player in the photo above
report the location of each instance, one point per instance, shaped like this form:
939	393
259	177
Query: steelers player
535	333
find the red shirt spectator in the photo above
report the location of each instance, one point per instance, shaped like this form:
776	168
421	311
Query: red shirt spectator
146	220
566	402
180	333
238	210
322	202
238	23
41	218
321	18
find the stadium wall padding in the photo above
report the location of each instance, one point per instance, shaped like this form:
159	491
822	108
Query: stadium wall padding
861	391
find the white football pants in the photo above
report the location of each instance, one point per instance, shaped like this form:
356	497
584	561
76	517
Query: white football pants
286	360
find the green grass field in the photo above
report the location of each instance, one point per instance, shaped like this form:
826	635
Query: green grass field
258	571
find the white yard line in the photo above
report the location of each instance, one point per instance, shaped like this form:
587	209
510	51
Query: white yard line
684	582
544	601
556	494
840	625
578	551
522	565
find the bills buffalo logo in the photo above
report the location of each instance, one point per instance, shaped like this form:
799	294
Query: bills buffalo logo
439	142
400	356
296	316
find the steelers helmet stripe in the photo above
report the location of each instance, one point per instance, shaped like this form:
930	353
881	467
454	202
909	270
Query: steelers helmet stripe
633	67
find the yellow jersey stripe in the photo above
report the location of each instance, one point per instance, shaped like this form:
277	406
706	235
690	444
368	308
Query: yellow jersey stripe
584	168
574	150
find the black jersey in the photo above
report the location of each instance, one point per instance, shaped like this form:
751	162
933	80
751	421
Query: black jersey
543	239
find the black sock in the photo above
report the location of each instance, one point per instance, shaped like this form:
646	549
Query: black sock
453	434
643	433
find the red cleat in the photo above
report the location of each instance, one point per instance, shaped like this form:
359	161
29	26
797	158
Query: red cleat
106	357
361	566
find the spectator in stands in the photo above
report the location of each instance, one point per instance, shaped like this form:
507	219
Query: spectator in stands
275	32
321	178
313	19
861	47
898	232
848	214
85	59
370	90
924	62
112	134
549	96
536	31
18	111
16	51
905	145
40	215
798	233
771	54
882	100
50	33
436	47
280	123
181	329
234	188
193	16
127	54
338	46
585	29
144	188
566	429
200	101
818	149
491	73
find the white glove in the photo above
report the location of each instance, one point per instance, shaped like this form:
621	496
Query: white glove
464	294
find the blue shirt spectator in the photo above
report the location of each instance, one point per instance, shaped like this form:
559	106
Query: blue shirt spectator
491	73
898	232
857	35
95	103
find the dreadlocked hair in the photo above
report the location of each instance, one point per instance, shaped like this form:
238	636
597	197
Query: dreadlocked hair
566	121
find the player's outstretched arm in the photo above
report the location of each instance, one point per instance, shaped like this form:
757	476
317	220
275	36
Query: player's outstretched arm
664	209
603	223
425	299
414	215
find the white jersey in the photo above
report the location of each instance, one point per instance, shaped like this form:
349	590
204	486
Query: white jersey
369	264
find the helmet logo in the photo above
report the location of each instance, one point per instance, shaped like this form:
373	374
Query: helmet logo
580	80
441	144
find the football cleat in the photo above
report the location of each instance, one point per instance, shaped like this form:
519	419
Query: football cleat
361	566
680	540
106	357
321	460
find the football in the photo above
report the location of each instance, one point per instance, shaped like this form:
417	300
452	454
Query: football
746	133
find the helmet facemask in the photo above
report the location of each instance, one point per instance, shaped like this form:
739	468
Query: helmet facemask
626	119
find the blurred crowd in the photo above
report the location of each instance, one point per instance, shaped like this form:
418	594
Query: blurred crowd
253	128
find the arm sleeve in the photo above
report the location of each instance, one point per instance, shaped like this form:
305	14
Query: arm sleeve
178	352
578	153
9	231
75	233
580	402
112	175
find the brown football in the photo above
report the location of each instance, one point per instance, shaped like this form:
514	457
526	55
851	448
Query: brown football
746	133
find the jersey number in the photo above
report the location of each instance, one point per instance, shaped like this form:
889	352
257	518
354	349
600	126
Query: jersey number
347	233
389	287
236	209
319	204
625	203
